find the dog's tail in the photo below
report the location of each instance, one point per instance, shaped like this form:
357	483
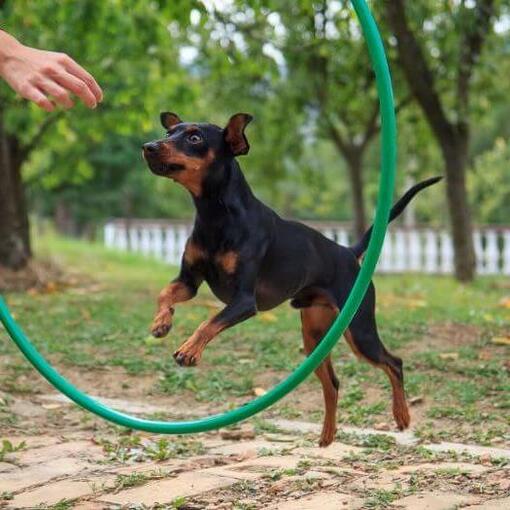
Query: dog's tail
359	248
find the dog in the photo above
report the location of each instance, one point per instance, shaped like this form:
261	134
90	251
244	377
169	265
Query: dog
253	260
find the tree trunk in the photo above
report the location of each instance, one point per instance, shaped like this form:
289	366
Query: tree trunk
355	168
14	225
455	155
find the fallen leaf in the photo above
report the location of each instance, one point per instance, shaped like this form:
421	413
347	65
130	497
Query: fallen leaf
485	355
416	303
505	302
449	355
267	317
238	434
279	438
51	287
416	400
51	407
150	340
258	392
501	340
382	426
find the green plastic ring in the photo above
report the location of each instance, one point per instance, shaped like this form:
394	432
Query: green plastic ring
386	187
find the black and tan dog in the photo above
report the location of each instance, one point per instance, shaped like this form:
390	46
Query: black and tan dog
254	260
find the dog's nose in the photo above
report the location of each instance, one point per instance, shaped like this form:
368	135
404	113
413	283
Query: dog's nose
150	148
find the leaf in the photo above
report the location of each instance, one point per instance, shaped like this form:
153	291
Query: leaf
268	317
150	341
501	340
51	407
416	303
505	302
449	355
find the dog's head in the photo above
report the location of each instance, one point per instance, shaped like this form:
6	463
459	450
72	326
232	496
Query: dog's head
190	151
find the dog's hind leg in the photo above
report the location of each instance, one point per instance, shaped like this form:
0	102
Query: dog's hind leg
315	321
363	338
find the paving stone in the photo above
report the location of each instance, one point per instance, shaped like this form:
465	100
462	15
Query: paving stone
147	467
469	448
6	467
70	449
231	471
493	504
274	462
300	427
89	505
40	473
247	447
127	406
435	501
32	441
324	501
388	478
335	451
406	438
252	469
52	493
165	491
25	409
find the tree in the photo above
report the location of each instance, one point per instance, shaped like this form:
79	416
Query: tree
129	54
324	72
439	66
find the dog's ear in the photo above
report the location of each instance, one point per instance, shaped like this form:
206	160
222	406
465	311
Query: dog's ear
169	120
234	133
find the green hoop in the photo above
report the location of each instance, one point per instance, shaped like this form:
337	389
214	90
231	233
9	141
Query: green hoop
386	183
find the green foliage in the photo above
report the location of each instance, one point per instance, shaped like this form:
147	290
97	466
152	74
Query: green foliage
8	447
489	182
300	67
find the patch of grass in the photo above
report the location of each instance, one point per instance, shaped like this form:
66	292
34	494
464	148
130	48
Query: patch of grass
8	447
130	480
101	321
178	502
133	448
6	496
64	504
372	441
381	498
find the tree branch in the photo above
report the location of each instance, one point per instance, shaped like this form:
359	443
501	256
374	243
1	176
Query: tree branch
28	147
471	44
372	126
418	74
337	136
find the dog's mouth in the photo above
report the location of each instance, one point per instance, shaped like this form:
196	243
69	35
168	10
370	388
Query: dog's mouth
164	169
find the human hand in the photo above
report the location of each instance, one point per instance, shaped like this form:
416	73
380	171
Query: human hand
46	77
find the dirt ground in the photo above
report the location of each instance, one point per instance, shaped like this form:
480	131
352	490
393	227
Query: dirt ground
64	458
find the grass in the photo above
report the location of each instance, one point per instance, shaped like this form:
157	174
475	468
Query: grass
99	324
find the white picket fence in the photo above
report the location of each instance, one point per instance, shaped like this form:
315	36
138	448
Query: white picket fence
422	250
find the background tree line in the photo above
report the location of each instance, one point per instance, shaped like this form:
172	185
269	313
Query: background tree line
301	67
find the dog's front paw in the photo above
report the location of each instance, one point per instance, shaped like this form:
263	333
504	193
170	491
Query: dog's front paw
188	355
161	325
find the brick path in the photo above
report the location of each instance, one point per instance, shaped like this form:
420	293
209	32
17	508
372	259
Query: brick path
278	470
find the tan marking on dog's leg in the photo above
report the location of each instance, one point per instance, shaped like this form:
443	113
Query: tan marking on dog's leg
193	253
174	293
399	403
190	352
315	322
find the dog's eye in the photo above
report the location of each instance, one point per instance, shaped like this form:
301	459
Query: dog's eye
194	138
